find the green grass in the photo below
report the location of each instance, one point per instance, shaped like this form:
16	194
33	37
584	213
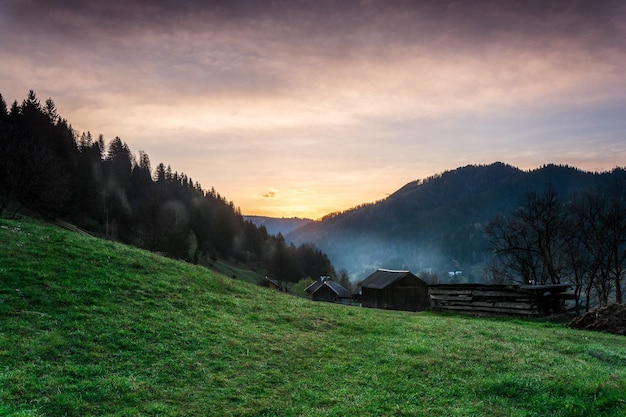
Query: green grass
233	271
90	327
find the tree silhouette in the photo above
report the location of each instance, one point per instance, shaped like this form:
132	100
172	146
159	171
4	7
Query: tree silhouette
583	241
49	170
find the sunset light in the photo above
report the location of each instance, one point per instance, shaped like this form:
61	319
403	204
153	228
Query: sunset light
307	108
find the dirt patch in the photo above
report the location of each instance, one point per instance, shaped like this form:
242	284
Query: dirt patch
610	319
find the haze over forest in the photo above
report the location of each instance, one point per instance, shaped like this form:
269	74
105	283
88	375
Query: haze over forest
312	107
438	224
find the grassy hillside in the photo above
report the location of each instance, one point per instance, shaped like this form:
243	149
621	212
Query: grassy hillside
238	272
89	327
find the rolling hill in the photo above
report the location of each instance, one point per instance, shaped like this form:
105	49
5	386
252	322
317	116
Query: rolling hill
92	327
436	224
275	225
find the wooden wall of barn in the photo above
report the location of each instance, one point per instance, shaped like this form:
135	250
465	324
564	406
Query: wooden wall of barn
405	294
324	294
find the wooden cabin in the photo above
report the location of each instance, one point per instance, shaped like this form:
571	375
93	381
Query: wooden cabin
394	290
270	283
329	291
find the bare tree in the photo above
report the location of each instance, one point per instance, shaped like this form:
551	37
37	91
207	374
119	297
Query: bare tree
602	226
545	241
530	242
614	219
343	278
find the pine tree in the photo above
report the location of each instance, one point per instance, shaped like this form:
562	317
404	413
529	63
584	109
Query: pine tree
3	109
50	110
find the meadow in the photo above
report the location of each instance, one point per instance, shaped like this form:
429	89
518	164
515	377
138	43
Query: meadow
90	327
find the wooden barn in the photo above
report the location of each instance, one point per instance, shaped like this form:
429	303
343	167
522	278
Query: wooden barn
329	291
394	290
270	283
512	300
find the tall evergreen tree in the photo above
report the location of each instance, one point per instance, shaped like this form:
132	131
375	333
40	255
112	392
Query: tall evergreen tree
47	168
3	109
50	110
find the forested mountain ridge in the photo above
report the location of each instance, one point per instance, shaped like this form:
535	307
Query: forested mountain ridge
275	225
48	169
436	224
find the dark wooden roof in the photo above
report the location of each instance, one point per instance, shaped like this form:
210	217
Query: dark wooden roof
335	287
267	282
382	278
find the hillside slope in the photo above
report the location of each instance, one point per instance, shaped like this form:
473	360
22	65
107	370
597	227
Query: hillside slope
91	327
275	225
437	223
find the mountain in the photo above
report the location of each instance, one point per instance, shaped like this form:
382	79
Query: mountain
275	225
436	224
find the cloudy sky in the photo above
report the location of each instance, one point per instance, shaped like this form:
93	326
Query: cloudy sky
305	107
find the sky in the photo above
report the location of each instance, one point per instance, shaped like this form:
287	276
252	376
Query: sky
300	108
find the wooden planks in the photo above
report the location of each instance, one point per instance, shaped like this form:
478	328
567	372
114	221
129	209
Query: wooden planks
540	300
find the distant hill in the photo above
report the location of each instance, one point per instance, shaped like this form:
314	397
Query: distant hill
275	225
436	224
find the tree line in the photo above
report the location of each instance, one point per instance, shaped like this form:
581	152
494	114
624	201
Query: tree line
47	168
550	241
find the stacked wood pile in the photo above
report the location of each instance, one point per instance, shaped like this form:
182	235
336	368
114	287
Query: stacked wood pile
514	300
68	226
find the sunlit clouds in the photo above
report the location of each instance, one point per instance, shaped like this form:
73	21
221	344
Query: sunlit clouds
304	108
